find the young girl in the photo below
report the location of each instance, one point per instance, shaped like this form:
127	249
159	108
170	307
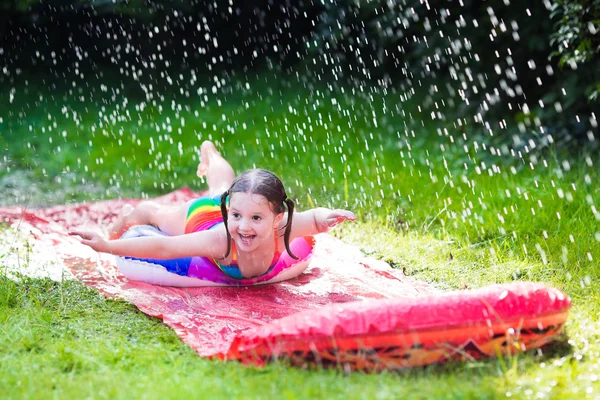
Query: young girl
242	224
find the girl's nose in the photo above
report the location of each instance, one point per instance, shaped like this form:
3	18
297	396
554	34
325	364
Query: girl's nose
244	224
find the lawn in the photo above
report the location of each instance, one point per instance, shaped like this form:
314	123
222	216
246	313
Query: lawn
444	205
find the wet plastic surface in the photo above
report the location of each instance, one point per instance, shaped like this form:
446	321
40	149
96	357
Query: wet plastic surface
407	332
209	318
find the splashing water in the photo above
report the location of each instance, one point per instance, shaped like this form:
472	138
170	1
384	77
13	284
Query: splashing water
396	115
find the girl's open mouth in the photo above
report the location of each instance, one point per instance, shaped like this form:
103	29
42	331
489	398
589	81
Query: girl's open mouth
247	239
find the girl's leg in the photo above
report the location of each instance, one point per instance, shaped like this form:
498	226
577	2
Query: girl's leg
219	173
169	219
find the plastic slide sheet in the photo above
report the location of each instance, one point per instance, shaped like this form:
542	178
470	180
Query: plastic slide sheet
209	318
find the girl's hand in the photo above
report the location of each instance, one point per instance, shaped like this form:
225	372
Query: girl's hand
92	239
336	217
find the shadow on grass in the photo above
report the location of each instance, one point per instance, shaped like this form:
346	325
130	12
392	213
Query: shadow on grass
559	347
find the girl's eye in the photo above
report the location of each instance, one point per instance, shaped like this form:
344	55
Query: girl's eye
235	215
256	218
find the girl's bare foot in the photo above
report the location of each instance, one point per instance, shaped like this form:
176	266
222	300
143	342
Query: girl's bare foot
219	174
207	151
121	225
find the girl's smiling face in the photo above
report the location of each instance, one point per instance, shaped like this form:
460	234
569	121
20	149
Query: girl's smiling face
251	220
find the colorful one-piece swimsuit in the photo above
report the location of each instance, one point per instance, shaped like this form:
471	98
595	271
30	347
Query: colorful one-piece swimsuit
204	214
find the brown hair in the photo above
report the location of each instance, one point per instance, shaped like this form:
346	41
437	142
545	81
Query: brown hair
267	184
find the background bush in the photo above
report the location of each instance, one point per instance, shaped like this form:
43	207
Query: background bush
516	73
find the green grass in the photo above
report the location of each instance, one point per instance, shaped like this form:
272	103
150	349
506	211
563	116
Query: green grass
429	200
65	340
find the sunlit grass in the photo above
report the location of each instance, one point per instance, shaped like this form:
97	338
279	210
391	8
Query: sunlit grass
64	340
429	201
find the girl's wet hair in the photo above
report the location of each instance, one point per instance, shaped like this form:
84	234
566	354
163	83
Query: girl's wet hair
267	184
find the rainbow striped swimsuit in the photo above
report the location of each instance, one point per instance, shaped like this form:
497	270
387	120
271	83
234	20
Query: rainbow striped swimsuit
204	214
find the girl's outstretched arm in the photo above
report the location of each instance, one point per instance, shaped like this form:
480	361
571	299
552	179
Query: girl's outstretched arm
318	220
211	244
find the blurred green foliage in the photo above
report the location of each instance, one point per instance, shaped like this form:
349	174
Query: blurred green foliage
492	60
577	36
526	68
